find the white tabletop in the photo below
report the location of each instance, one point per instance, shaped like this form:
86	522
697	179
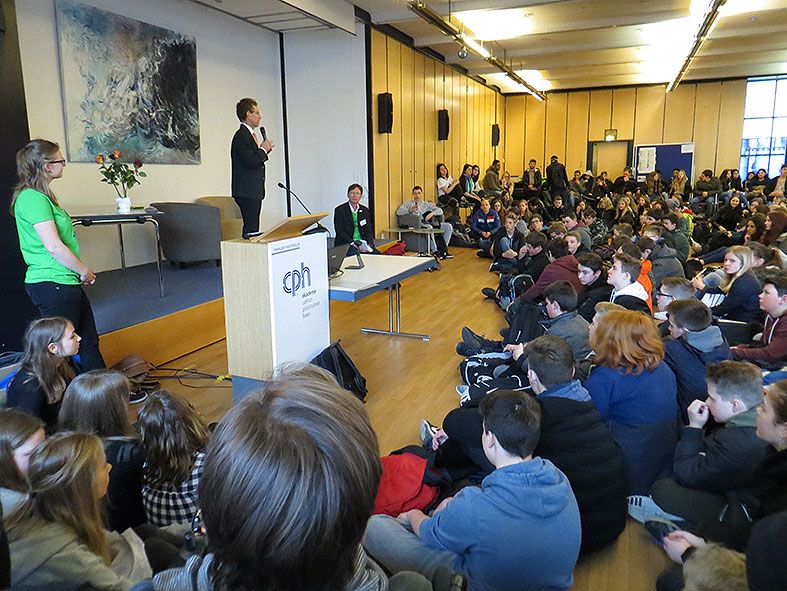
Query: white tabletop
379	272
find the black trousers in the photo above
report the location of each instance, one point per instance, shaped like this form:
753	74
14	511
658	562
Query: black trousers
462	454
70	301
250	211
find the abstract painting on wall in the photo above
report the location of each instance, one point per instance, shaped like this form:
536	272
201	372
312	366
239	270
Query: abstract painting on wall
127	85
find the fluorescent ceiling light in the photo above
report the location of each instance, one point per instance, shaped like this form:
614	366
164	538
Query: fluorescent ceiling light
494	25
475	46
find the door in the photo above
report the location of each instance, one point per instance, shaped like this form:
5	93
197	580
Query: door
610	156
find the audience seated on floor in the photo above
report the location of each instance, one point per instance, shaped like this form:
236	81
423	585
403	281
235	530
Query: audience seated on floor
483	223
573	437
626	290
635	392
693	344
562	267
479	530
20	434
771	349
174	437
46	369
97	402
531	262
664	262
672	289
298	463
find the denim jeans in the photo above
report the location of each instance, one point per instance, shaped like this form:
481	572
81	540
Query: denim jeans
397	548
70	301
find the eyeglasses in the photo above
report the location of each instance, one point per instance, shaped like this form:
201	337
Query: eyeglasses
661	294
56	161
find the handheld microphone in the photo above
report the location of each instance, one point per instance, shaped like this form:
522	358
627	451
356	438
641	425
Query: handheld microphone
264	135
320	227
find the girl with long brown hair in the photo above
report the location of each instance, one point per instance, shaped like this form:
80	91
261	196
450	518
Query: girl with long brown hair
174	436
635	391
46	368
776	229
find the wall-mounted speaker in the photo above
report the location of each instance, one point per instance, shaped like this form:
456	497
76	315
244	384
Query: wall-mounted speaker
495	135
443	124
384	112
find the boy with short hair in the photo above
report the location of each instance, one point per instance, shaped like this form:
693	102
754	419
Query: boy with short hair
695	342
519	530
569	219
707	465
773	301
626	290
676	237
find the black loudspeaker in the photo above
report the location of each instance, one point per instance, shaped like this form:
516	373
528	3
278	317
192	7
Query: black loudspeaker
443	124
384	112
495	135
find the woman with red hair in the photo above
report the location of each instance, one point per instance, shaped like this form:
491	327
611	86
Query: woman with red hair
635	392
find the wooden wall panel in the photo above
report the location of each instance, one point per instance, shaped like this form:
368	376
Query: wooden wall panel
623	112
649	115
577	132
395	138
679	114
600	114
555	142
728	150
706	126
380	140
408	128
462	107
444	97
514	146
535	118
419	130
430	125
500	118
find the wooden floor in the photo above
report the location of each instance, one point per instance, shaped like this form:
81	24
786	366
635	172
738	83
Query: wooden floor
409	379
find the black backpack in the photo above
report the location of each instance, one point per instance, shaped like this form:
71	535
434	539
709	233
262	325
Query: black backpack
336	360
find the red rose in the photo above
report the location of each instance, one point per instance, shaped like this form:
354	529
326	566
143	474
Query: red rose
100	159
137	163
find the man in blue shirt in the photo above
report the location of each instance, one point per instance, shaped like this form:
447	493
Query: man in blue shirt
519	530
483	224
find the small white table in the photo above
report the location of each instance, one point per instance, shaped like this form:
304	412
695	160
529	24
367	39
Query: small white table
102	217
380	272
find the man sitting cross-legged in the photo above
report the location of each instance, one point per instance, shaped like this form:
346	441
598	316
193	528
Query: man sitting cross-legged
530	262
709	465
519	530
573	437
694	343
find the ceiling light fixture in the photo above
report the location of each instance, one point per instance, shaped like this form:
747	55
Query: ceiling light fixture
449	29
706	27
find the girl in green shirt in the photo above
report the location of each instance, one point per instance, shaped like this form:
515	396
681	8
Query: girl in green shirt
55	273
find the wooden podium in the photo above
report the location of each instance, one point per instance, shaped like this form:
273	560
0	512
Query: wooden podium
275	298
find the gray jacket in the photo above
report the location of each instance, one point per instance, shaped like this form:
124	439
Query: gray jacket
50	557
573	328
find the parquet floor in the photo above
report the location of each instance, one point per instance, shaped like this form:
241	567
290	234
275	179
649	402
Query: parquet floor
409	379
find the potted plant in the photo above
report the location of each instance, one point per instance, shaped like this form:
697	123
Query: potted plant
121	175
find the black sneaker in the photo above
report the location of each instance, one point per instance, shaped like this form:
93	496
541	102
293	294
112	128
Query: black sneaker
471	338
446	256
137	397
659	528
490	292
466	350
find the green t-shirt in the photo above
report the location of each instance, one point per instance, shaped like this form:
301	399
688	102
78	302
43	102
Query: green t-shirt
356	229
32	207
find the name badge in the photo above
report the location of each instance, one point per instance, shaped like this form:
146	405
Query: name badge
362	223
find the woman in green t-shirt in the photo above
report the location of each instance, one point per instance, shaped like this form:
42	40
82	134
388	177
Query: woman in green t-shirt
55	273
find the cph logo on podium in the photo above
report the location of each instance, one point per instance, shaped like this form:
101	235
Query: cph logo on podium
297	279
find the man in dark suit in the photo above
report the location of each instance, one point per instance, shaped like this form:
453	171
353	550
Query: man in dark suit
557	179
353	222
249	153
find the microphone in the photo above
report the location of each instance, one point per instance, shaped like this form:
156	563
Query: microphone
264	135
320	227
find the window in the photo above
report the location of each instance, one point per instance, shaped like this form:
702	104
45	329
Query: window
765	125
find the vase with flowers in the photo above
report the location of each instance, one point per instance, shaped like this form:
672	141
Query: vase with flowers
121	175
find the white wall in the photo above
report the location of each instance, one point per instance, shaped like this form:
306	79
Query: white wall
234	59
326	111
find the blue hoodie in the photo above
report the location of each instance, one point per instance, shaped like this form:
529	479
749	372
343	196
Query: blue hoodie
519	530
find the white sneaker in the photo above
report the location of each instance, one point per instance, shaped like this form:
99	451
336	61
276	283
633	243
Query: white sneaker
428	431
643	508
